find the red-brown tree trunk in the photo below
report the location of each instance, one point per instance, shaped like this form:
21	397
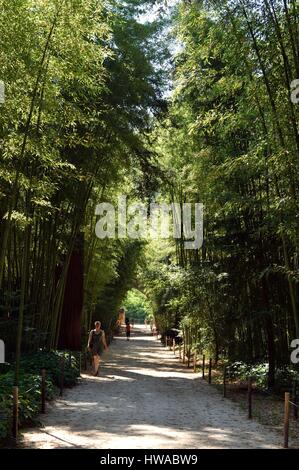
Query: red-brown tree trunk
70	325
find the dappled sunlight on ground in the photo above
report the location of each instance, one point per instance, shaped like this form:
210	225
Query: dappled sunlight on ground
158	373
144	398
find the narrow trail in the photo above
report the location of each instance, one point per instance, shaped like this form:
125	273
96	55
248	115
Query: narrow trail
146	399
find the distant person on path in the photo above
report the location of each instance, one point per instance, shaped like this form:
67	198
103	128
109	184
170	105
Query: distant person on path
145	322
128	330
96	344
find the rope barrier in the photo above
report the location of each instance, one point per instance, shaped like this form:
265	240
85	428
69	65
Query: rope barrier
227	379
279	398
274	395
27	391
271	394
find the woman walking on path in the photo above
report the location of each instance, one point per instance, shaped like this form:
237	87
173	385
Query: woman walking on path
96	343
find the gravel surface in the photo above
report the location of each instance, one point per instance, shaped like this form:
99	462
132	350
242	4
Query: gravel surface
144	398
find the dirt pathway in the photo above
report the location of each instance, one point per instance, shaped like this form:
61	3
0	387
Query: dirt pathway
145	399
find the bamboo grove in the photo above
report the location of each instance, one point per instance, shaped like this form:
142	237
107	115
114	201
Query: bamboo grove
196	104
230	141
80	88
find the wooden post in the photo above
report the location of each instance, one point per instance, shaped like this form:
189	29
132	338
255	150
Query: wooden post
79	363
189	346
43	391
203	366
224	381
194	361
249	397
85	361
62	360
184	349
173	345
180	351
15	412
166	341
286	419
294	400
210	371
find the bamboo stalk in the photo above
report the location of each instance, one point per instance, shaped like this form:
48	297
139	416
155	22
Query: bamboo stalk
15	412
249	397
43	391
210	371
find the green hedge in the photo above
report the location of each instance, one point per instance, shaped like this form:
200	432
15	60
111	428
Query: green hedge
284	377
30	386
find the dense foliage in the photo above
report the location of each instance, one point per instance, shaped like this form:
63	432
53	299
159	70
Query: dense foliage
137	307
81	90
230	141
30	386
88	116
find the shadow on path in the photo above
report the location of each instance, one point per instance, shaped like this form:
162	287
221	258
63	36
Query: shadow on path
144	398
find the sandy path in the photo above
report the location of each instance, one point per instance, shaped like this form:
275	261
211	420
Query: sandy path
146	399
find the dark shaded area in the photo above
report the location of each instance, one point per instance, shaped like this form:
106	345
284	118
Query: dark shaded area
70	327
